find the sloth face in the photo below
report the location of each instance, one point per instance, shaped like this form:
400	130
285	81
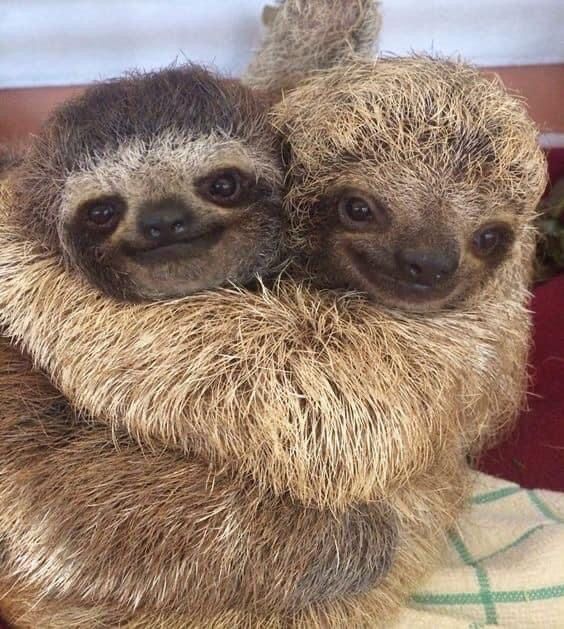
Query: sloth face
171	221
414	180
404	255
158	185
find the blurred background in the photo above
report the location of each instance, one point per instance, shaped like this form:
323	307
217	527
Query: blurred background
49	48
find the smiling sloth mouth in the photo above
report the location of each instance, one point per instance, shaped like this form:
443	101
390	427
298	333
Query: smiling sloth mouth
171	252
397	291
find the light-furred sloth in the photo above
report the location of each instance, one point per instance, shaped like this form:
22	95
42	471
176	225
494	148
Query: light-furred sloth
414	180
157	185
306	395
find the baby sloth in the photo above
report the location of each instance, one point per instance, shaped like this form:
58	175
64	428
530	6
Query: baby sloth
157	185
411	179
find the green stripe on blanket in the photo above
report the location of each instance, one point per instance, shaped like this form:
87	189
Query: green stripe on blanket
504	565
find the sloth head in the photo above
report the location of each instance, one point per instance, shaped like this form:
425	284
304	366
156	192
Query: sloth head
158	185
411	179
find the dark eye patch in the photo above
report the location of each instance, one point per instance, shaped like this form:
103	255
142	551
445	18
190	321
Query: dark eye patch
226	187
101	215
359	210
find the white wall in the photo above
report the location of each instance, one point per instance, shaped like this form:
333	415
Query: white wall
54	42
487	32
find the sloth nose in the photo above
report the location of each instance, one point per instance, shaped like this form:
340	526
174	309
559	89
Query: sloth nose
165	222
428	267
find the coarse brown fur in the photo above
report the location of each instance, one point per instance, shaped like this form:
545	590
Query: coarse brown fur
439	153
157	185
426	517
352	563
83	516
10	157
262	381
287	357
304	37
315	396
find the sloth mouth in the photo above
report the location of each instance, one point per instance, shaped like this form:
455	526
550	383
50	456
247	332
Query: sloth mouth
171	252
393	289
414	290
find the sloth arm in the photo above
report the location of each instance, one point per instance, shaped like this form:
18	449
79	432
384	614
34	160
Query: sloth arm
304	37
121	524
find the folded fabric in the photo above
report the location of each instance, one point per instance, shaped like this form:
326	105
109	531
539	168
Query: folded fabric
504	565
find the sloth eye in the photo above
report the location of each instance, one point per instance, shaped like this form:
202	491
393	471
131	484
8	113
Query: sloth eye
492	240
357	212
357	209
227	187
103	214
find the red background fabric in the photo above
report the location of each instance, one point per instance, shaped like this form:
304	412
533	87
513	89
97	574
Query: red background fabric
533	455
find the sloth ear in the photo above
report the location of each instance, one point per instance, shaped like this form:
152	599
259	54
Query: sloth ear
269	14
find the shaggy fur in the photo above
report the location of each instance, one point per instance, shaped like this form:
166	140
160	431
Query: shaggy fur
291	395
407	403
305	37
9	159
442	151
146	152
263	381
132	603
205	542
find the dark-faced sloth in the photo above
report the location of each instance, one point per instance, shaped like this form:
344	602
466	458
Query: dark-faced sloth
160	185
157	185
